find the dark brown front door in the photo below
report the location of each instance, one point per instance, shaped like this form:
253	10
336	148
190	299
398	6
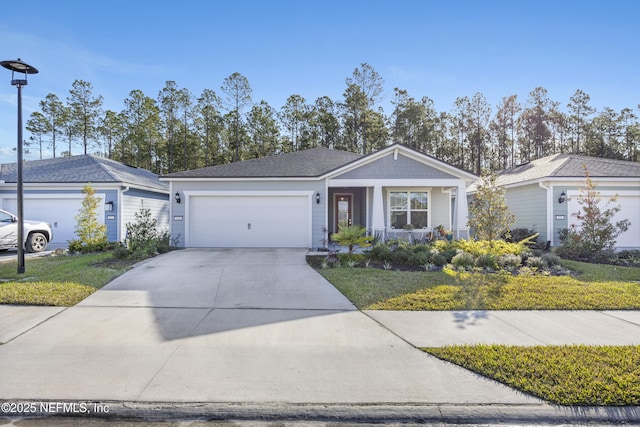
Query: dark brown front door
343	205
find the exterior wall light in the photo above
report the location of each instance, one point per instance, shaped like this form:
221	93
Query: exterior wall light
178	199
318	197
563	197
108	207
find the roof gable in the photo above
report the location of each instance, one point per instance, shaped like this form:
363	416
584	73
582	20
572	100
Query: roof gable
82	169
400	162
395	167
310	163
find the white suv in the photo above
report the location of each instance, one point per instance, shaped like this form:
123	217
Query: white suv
36	233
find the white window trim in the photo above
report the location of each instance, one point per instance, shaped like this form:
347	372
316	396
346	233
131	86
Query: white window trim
409	191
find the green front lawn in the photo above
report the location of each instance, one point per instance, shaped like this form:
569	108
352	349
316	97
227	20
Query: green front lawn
566	375
596	287
57	280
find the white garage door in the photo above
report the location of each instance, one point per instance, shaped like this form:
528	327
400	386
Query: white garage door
249	221
630	209
59	212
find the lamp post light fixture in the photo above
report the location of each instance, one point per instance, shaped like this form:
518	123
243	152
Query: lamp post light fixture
18	66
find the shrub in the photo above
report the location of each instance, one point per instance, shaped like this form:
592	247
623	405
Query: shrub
439	260
519	234
496	247
449	254
381	252
487	261
551	259
509	261
143	238
421	248
401	255
536	262
346	258
463	260
419	258
121	252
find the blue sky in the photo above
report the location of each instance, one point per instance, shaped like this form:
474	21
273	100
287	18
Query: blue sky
439	49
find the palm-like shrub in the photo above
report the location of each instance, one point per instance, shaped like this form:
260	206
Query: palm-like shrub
351	236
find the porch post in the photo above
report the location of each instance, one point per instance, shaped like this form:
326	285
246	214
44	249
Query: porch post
461	212
377	212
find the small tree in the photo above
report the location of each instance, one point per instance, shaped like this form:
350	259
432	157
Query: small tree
489	216
595	230
92	235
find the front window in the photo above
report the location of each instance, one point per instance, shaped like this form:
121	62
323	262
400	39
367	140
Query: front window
409	207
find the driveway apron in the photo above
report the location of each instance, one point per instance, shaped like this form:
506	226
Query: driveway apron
229	325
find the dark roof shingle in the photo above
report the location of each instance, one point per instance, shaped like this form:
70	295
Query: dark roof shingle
304	164
81	169
570	166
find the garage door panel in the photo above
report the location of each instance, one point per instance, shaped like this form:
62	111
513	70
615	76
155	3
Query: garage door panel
249	221
629	209
59	212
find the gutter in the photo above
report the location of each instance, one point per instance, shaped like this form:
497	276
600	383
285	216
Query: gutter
123	189
549	190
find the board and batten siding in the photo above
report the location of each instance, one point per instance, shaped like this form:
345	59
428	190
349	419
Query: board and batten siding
529	204
135	200
179	214
401	167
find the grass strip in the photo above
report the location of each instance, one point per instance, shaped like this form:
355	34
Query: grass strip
597	287
62	294
57	280
566	375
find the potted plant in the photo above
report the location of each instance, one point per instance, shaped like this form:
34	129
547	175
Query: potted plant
408	227
441	230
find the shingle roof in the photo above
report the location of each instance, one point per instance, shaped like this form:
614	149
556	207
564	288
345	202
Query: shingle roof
304	164
570	166
82	169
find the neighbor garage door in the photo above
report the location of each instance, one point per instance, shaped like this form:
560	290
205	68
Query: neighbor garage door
629	209
249	221
60	212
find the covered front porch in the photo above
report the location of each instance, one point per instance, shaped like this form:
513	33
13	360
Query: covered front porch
403	210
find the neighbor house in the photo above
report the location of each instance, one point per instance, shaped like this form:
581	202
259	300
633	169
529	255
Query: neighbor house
299	199
53	193
544	193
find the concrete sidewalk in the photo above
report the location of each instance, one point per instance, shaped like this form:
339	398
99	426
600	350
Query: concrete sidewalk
527	328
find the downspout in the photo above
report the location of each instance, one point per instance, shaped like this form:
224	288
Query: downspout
550	236
123	190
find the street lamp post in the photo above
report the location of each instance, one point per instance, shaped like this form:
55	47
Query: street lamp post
18	66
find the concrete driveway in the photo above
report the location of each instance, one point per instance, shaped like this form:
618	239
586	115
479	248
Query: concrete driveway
229	326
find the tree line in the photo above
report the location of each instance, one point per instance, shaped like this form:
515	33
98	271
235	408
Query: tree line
178	131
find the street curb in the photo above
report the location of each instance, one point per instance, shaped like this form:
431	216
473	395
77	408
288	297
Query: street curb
357	413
